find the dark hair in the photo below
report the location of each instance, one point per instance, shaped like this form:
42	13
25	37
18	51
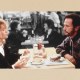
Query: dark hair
75	19
13	25
50	23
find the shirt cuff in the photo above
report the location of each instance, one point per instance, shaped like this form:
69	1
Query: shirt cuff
13	67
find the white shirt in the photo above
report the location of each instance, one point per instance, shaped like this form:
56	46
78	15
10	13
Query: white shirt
2	50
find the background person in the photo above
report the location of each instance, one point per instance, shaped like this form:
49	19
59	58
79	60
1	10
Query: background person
51	34
15	37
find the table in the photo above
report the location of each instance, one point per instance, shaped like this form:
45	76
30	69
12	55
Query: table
31	42
50	51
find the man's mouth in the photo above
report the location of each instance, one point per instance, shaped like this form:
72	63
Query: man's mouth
66	32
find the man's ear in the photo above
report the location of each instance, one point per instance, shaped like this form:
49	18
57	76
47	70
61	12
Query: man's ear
77	28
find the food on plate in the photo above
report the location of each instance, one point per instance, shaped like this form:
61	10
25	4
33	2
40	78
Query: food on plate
37	60
55	57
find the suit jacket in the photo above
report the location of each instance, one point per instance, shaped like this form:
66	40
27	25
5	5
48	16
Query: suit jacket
14	41
9	58
54	39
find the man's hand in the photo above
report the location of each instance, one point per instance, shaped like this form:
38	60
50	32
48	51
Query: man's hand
70	58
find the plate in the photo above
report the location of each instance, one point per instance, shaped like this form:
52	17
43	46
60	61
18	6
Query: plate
36	63
58	60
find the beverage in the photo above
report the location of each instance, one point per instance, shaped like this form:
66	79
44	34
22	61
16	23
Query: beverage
39	43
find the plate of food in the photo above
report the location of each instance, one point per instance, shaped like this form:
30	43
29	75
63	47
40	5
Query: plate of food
37	61
55	57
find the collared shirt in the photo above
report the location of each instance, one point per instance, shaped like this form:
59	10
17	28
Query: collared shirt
2	50
72	47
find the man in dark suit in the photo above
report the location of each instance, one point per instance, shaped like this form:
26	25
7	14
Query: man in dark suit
15	37
7	59
51	34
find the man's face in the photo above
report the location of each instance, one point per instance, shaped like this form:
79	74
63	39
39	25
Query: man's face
3	31
45	27
68	27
